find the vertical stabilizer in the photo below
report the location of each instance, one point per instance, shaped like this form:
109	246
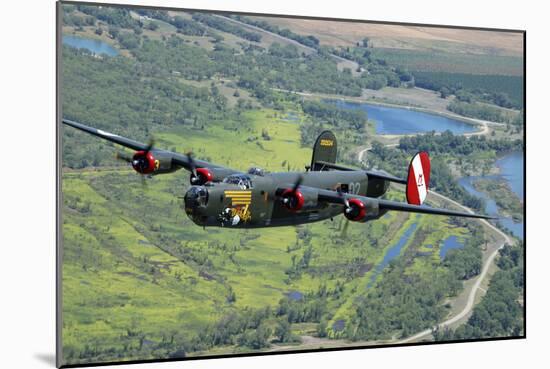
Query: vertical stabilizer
324	150
418	179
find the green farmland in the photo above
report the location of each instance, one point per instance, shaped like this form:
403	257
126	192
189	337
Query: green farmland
141	281
141	278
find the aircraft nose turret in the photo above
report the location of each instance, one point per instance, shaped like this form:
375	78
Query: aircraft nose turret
195	199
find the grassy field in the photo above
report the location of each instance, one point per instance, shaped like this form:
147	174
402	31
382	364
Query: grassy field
430	61
137	270
335	33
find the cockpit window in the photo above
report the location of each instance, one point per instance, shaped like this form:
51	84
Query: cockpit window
240	180
256	171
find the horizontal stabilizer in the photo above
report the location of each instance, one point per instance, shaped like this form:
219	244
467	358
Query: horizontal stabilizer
382	175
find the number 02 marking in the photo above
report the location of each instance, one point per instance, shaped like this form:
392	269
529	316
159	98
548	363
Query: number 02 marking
354	188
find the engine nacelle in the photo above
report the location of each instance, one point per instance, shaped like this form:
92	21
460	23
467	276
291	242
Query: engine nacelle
144	162
205	175
152	162
300	200
359	211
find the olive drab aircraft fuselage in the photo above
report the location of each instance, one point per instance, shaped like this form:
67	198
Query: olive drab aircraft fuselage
225	197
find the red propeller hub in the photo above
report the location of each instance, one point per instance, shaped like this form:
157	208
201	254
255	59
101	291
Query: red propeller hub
355	210
203	176
293	200
143	162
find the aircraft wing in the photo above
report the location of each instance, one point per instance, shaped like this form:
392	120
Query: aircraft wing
176	160
375	205
126	142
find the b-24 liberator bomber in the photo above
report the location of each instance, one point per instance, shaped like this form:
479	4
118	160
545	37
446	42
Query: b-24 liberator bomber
225	197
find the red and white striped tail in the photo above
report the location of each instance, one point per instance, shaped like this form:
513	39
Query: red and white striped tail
418	179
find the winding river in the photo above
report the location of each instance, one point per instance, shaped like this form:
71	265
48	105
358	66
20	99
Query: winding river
393	120
511	170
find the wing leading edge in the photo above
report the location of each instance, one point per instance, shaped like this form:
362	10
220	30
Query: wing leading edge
381	204
180	160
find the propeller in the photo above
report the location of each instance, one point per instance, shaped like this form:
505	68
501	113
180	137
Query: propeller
140	162
150	145
299	180
345	229
342	197
194	176
123	156
347	210
289	195
297	184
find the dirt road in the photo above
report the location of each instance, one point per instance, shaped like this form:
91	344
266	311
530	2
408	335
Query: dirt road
479	279
342	62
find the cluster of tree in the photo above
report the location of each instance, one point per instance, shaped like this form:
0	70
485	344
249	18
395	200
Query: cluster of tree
400	303
305	309
247	328
481	111
380	74
348	124
188	26
310	41
71	19
504	91
443	181
258	72
244	328
298	266
335	116
404	302
127	40
283	332
466	263
456	145
359	54
153	104
257	328
288	51
499	314
162	15
183	25
507	201
114	16
225	26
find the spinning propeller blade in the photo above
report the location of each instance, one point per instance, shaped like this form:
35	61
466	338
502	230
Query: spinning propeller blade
150	145
130	159
298	183
192	163
123	156
347	209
